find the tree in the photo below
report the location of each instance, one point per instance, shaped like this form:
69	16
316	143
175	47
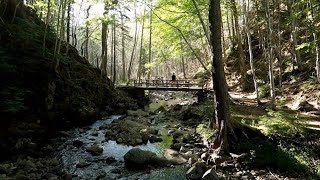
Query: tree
223	120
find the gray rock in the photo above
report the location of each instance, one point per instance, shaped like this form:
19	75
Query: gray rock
77	143
137	159
196	171
82	163
187	138
95	150
176	146
210	175
154	139
174	157
110	160
177	134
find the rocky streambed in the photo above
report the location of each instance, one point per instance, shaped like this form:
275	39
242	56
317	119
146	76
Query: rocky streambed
88	154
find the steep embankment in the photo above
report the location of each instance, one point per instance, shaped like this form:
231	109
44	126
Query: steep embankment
33	90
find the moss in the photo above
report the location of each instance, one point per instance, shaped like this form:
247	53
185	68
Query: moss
204	131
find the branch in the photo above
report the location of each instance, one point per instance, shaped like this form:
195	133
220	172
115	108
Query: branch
184	38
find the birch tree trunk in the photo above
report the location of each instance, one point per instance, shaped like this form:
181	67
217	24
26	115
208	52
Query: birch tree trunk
256	87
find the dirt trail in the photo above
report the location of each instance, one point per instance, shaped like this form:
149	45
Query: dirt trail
310	120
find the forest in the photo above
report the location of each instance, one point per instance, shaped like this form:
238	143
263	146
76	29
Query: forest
159	89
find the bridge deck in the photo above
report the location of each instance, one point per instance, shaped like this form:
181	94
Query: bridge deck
165	85
160	88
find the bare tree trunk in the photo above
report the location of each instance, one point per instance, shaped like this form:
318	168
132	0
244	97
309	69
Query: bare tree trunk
114	50
123	49
270	55
57	30
46	30
135	42
141	47
183	67
294	35
86	43
315	40
68	25
250	50
223	121
150	38
239	42
104	50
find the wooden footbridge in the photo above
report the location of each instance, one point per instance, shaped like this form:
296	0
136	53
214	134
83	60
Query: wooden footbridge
137	87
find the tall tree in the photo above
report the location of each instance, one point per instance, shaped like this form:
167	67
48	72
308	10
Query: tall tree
150	38
223	119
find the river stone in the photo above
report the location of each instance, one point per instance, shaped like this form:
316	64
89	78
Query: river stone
137	113
196	171
154	139
176	146
137	158
177	134
82	163
210	175
187	138
77	143
22	177
95	150
110	160
174	157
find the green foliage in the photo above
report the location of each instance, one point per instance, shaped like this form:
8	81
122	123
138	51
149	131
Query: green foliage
264	90
204	131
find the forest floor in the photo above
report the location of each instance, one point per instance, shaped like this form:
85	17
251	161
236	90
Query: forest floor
293	132
177	121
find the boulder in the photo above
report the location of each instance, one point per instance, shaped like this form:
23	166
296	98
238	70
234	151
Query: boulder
137	113
177	134
196	171
176	146
110	160
154	139
82	163
210	175
187	138
95	150
77	143
174	157
137	158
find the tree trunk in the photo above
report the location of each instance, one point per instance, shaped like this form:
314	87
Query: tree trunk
297	55
270	55
315	40
250	49
223	120
123	49
141	48
114	49
150	38
68	25
46	30
134	43
239	42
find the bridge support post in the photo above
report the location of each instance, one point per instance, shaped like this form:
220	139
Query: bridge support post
202	95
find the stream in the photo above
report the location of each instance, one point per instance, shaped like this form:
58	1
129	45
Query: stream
110	165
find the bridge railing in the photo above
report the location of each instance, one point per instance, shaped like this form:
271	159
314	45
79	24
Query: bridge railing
182	83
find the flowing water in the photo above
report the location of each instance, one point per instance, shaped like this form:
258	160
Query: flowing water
96	167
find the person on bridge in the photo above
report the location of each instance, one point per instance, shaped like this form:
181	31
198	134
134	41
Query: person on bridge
173	77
